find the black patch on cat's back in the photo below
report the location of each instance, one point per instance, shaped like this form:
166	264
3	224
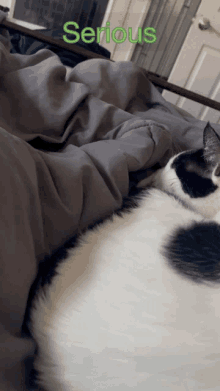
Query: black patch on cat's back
195	252
193	183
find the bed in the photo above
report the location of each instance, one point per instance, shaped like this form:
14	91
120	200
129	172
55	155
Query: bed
74	143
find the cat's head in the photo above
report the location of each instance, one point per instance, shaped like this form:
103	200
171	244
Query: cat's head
193	176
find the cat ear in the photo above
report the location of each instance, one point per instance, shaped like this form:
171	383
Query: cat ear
211	141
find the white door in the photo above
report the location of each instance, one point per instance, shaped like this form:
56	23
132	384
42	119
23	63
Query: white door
197	67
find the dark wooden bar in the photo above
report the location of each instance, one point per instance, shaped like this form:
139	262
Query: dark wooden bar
156	80
183	92
56	42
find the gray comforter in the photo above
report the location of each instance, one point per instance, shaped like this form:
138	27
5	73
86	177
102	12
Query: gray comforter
68	142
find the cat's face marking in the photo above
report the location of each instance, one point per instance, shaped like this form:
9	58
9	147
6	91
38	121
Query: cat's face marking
193	176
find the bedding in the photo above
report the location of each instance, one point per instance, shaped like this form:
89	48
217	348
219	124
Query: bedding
27	45
72	145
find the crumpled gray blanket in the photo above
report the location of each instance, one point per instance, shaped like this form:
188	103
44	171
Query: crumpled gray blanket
68	143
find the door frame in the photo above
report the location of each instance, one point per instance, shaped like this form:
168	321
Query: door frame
124	13
180	70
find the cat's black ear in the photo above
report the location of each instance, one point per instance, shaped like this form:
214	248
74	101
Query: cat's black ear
211	141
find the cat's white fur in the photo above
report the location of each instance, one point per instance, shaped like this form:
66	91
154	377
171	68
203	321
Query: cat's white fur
118	317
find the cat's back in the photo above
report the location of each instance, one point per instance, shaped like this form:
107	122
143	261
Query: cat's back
117	315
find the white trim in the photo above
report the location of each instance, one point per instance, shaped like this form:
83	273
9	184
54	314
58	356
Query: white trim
28	25
108	12
124	13
11	5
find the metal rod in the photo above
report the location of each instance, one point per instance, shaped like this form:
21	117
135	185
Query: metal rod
56	42
183	92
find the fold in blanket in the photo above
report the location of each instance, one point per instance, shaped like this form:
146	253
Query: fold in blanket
68	142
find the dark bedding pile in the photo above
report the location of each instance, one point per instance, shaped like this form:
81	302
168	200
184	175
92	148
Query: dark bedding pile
27	45
69	142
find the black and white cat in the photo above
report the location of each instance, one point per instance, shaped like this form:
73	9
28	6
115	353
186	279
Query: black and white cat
136	302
